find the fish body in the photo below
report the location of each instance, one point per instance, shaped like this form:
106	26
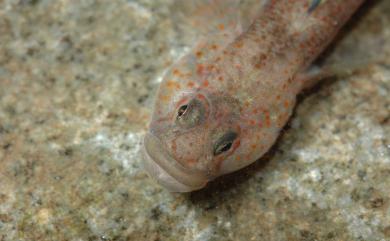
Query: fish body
222	106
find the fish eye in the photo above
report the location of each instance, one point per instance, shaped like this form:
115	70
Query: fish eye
224	143
182	110
190	114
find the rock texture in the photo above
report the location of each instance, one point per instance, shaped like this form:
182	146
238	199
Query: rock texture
77	79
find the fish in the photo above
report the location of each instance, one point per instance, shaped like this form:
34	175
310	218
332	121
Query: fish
222	106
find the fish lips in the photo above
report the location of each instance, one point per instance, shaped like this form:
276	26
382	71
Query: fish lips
169	173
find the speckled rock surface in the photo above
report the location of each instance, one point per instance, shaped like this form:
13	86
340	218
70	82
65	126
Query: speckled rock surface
77	80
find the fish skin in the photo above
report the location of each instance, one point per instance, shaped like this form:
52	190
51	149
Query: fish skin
243	83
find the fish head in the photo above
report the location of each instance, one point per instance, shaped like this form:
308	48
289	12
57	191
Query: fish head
192	132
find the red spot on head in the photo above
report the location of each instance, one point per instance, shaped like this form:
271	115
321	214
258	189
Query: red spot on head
174	146
200	69
173	84
182	101
191	162
239	44
210	67
236	145
200	96
267	119
176	72
165	97
286	104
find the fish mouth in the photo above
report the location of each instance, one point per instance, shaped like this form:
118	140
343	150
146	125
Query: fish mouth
163	168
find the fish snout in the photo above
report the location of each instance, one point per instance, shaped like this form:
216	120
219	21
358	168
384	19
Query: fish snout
168	172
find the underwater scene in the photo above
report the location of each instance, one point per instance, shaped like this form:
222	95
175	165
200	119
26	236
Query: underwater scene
194	120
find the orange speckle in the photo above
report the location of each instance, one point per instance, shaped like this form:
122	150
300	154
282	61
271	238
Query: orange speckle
220	78
221	27
239	44
165	98
286	104
200	96
267	119
248	156
190	84
176	72
236	144
214	47
238	158
191	162
258	65
253	146
174	146
252	122
278	97
173	84
210	67
199	54
182	101
200	69
206	83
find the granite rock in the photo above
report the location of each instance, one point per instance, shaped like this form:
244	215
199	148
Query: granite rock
77	83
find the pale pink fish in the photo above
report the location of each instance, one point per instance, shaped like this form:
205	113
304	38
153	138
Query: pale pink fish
222	106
